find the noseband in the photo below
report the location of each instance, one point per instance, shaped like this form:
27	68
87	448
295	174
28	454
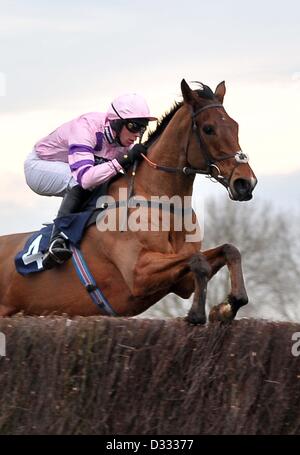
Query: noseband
210	162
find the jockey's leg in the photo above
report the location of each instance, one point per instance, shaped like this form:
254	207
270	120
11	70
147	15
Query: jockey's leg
59	251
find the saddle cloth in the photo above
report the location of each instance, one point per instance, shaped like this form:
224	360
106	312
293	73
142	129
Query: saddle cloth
29	259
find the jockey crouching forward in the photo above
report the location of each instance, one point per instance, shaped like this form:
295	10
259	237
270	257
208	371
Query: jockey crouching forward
64	163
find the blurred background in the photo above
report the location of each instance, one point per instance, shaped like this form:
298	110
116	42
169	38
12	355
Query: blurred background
58	62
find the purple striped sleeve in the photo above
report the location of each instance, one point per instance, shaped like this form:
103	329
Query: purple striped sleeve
96	175
81	163
81	173
74	148
81	158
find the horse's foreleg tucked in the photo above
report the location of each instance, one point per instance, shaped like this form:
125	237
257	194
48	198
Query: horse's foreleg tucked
218	257
202	270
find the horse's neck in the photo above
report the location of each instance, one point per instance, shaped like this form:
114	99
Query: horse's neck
168	150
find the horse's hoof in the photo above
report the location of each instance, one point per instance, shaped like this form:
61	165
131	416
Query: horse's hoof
221	313
195	319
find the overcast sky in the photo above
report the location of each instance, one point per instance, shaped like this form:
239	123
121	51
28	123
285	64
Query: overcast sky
60	59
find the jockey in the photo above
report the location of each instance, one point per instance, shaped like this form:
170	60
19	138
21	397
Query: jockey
82	154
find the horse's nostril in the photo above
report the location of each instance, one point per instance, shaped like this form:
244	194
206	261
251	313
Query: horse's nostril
242	187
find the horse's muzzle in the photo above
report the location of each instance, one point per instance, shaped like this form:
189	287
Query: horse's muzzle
241	189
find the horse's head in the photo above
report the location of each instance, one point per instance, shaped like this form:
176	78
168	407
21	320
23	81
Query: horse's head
213	147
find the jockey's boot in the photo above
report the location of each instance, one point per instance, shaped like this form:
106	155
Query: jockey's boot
59	252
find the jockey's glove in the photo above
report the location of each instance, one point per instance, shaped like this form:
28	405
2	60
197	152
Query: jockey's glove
132	155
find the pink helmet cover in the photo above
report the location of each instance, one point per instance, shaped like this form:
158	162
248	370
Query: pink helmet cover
129	105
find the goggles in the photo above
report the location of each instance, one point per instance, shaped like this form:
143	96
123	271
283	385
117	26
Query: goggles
135	127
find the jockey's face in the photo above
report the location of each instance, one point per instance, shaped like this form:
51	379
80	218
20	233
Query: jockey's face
127	138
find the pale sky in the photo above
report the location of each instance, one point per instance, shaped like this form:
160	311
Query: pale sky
61	59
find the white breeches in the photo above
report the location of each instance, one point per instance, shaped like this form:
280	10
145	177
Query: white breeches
48	178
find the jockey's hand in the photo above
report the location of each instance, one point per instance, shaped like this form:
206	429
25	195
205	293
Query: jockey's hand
135	152
132	155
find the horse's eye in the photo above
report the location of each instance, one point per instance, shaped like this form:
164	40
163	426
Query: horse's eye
208	129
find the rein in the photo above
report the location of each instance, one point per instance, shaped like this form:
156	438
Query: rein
211	165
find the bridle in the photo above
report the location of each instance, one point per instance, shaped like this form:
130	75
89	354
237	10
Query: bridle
210	162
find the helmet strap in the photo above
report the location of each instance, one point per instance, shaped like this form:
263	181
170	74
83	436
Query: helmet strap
108	135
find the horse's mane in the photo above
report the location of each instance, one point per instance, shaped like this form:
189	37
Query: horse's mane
163	123
203	92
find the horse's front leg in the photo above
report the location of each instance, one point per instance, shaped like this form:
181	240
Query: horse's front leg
156	272
218	257
202	271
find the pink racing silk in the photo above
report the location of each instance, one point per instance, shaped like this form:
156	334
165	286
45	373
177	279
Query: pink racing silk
77	142
84	170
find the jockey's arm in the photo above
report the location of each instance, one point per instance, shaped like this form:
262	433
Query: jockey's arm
81	156
85	172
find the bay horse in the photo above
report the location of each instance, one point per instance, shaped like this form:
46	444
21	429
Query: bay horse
135	269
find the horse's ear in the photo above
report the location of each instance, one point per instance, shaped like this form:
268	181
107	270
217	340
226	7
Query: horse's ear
187	93
220	92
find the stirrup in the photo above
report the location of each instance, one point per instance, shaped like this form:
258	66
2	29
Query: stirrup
58	253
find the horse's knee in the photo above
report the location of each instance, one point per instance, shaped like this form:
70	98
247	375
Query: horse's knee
231	252
200	266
